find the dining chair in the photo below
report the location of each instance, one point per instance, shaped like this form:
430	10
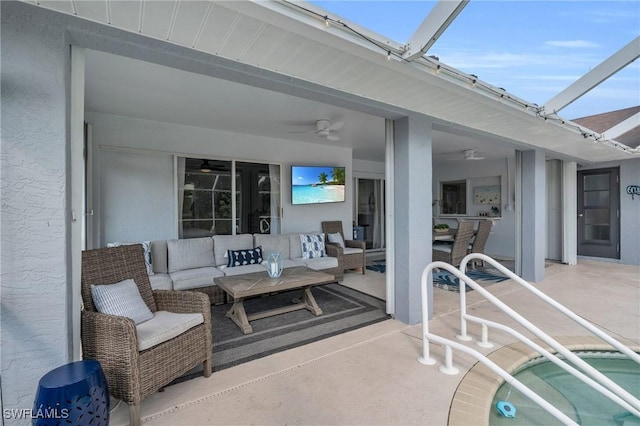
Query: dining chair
480	240
454	253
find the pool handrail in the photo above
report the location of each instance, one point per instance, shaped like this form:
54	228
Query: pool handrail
621	393
563	309
448	369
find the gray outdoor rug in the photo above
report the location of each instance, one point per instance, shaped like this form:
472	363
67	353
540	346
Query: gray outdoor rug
343	309
485	276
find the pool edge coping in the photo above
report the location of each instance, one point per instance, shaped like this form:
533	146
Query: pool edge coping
471	402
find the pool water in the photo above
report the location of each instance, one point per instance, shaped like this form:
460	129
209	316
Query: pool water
574	398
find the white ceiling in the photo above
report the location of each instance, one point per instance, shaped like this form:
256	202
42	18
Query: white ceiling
132	88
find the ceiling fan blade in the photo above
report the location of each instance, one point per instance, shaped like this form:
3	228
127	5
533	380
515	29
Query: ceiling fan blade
333	137
336	126
308	131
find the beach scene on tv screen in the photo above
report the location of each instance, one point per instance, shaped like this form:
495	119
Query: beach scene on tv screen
312	185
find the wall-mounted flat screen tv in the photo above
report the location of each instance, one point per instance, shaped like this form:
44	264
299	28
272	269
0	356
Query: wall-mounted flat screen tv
317	184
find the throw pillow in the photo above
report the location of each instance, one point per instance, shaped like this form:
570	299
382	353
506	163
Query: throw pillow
336	238
244	257
122	299
312	246
146	247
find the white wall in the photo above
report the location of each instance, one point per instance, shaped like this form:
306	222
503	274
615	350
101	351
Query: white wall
134	187
35	249
501	241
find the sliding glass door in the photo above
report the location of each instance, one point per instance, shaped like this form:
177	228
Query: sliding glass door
370	211
207	206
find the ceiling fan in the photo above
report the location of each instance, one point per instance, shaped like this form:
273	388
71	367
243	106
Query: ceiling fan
471	154
467	154
326	129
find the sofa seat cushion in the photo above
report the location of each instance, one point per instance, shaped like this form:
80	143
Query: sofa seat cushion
442	247
320	263
190	254
165	326
194	278
352	250
244	269
161	281
273	243
292	263
223	243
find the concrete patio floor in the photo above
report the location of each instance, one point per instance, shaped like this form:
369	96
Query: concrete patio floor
371	376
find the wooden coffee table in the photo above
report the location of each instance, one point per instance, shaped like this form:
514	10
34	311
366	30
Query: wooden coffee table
240	287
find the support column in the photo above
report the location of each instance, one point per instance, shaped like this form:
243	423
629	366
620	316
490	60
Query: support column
412	214
569	213
533	215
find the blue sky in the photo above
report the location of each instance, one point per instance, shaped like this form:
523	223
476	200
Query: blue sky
308	175
533	49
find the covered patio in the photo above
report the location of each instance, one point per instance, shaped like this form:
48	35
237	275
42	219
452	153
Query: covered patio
237	81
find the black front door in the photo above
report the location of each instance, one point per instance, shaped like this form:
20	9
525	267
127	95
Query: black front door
599	213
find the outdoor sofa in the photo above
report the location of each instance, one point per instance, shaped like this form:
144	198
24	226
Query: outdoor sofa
193	264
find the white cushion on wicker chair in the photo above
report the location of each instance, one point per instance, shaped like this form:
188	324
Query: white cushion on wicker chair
320	263
352	250
165	326
443	247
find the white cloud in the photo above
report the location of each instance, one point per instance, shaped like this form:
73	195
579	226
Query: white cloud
572	43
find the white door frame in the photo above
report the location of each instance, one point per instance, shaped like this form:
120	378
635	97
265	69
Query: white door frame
77	188
389	217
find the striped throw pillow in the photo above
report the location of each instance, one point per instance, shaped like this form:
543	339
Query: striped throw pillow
122	299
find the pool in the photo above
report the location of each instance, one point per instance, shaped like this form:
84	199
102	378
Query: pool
574	398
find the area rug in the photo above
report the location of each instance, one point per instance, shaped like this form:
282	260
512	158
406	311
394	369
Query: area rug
447	281
343	309
378	265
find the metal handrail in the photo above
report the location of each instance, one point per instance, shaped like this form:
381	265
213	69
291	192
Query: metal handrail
449	369
563	309
610	389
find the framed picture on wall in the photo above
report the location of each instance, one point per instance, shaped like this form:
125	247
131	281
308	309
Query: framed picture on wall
486	195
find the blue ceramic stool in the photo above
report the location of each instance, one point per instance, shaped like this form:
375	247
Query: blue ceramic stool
74	393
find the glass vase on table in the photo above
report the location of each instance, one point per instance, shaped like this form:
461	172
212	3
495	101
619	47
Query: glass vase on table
274	264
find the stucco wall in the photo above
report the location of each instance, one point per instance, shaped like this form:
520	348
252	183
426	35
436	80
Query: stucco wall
134	191
34	265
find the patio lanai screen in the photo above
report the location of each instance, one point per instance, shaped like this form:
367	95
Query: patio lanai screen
206	203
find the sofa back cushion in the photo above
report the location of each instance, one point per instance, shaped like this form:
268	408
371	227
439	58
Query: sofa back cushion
190	253
295	246
159	256
222	243
271	243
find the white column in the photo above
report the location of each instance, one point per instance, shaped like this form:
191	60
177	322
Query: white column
533	215
412	214
570	213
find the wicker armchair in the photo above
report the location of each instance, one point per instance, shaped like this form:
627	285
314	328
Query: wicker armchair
113	341
354	252
454	253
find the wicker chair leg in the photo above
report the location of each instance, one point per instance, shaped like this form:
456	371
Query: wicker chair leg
134	414
206	366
